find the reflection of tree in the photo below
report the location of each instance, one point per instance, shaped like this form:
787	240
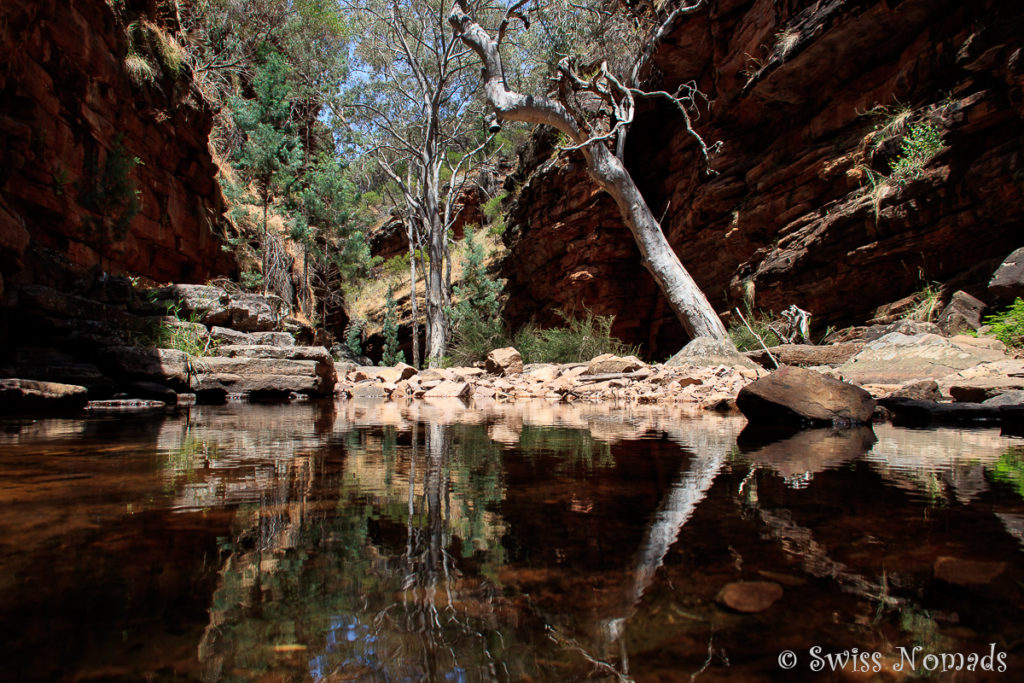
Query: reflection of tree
711	449
372	585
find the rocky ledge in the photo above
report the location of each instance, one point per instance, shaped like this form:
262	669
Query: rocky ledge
122	347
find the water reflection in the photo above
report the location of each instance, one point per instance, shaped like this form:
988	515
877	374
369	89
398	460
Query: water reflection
430	541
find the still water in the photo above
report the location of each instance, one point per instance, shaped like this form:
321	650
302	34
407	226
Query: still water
358	541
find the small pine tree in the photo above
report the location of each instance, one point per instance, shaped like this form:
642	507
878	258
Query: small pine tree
392	355
354	337
476	318
271	155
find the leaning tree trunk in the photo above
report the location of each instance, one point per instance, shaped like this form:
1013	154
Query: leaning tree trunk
684	296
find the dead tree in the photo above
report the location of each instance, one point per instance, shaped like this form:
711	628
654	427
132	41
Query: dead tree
593	138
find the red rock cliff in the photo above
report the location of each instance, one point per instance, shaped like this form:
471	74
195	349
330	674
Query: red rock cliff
78	138
792	213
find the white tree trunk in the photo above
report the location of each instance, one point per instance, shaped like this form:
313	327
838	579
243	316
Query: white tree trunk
684	296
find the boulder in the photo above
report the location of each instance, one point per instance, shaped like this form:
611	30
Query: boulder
395	374
985	381
343	354
924	390
368	389
705	352
898	358
797	395
1009	398
1007	281
252	313
272	338
961	314
271	370
750	597
20	395
505	361
450	389
906	411
208	304
608	363
226	335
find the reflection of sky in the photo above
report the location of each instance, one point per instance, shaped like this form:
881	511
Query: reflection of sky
344	634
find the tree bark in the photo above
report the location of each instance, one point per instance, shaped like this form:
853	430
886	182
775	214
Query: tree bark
684	296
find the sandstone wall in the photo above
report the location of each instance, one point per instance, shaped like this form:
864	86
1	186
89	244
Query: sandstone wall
69	115
790	214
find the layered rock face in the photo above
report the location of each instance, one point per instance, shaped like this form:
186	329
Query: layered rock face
84	148
812	102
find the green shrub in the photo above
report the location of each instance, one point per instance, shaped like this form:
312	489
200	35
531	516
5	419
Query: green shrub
745	340
928	304
354	337
398	265
1008	326
392	355
493	211
252	280
921	143
579	340
183	333
476	316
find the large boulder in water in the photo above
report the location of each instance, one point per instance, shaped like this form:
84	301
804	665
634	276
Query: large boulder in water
793	395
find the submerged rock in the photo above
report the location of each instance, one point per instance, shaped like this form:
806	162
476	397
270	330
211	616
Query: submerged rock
967	572
797	395
750	597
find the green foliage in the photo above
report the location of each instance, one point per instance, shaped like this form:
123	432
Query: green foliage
182	333
252	280
928	304
110	193
1008	325
922	142
392	355
140	70
354	337
271	155
397	265
493	210
476	318
578	340
1009	469
761	323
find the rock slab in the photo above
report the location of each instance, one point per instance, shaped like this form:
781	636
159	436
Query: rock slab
791	395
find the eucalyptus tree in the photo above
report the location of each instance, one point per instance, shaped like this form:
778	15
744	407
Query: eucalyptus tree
413	99
594	112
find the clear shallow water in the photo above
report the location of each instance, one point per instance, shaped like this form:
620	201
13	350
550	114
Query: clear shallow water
377	541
